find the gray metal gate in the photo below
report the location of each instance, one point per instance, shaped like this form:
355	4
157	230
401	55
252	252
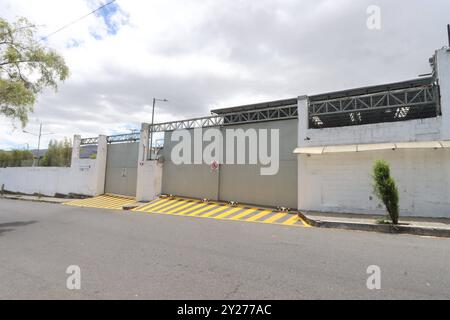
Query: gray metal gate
245	184
121	169
242	183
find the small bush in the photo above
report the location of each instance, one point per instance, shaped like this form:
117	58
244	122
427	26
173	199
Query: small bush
385	189
15	158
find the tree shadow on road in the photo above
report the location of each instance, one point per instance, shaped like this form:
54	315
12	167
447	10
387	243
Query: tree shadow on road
9	226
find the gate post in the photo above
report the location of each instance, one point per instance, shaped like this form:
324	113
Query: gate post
100	165
75	150
149	172
303	140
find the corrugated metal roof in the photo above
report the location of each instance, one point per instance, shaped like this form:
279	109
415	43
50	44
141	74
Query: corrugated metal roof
257	106
373	89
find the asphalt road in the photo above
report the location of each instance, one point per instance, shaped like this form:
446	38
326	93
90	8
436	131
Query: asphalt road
146	256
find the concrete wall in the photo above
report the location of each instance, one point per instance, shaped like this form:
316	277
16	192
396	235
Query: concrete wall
85	176
404	131
443	74
429	129
149	181
49	181
342	182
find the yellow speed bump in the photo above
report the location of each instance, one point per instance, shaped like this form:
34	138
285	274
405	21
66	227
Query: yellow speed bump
274	218
171	206
102	202
259	215
220	211
243	214
189	203
291	220
203	209
191	208
151	204
228	213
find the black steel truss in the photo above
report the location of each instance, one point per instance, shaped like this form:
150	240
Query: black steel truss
386	106
129	137
119	138
251	116
270	114
203	122
89	141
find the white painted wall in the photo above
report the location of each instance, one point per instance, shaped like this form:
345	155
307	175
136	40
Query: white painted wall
100	172
85	176
443	73
149	181
412	130
342	182
48	181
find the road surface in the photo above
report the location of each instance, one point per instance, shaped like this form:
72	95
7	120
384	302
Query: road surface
125	255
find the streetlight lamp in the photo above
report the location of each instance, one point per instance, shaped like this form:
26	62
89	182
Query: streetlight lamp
39	139
153	122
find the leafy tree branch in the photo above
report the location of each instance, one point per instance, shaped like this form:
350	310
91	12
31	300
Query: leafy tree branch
26	68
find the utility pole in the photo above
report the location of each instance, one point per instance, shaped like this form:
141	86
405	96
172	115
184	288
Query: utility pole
153	122
39	141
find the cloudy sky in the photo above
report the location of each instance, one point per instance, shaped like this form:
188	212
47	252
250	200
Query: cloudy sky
205	54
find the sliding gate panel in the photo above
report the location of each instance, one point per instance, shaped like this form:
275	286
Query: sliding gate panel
238	182
121	169
246	184
187	180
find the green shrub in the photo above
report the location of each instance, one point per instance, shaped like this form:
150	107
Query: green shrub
14	158
385	189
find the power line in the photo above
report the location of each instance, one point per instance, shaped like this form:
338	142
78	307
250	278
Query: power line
79	19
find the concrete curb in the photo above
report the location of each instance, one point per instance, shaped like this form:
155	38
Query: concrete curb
35	200
382	228
311	222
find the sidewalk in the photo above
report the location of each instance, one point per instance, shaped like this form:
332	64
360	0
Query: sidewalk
34	198
434	227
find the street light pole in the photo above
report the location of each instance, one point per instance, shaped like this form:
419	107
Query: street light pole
153	122
151	128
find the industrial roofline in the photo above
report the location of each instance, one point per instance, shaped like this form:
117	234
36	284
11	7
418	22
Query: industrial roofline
267	111
330	95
